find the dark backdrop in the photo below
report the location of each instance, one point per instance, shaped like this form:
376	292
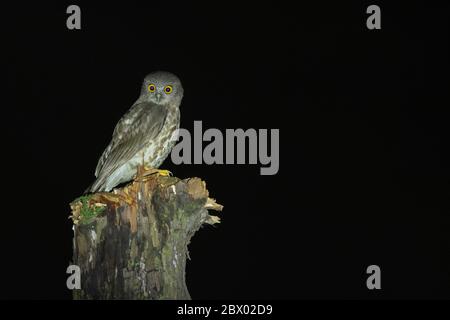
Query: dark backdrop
363	120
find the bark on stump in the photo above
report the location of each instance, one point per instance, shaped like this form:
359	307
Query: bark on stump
132	243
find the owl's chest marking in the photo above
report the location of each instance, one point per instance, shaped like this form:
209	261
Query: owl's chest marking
157	150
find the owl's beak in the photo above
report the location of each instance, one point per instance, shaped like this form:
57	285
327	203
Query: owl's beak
158	97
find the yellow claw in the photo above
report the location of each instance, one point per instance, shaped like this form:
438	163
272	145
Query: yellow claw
143	172
164	173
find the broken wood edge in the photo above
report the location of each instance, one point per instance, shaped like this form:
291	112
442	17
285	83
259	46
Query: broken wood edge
128	194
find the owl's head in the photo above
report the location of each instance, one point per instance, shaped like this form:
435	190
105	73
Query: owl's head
162	87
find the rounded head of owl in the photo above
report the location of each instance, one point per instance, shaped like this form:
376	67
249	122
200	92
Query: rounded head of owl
161	87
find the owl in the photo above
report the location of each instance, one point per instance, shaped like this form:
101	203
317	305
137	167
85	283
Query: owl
143	136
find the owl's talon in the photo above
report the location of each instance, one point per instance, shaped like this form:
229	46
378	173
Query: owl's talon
144	171
164	173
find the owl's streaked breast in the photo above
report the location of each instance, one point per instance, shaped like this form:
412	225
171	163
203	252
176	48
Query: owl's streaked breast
159	148
156	150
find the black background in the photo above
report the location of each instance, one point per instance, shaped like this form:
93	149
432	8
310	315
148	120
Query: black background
363	119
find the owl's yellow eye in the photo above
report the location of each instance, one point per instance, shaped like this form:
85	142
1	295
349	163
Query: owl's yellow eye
168	89
151	87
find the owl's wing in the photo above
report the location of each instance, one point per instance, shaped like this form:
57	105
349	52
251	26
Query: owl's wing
142	123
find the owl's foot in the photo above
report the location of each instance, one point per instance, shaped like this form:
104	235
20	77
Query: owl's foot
164	173
143	172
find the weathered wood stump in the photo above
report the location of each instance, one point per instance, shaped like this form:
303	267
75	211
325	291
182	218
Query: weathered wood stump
132	243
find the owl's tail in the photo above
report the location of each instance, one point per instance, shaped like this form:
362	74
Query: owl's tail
97	186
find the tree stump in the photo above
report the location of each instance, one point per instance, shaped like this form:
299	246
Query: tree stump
132	243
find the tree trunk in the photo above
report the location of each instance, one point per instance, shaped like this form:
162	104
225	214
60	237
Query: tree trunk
132	243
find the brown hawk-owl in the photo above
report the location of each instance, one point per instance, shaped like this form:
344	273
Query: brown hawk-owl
143	136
